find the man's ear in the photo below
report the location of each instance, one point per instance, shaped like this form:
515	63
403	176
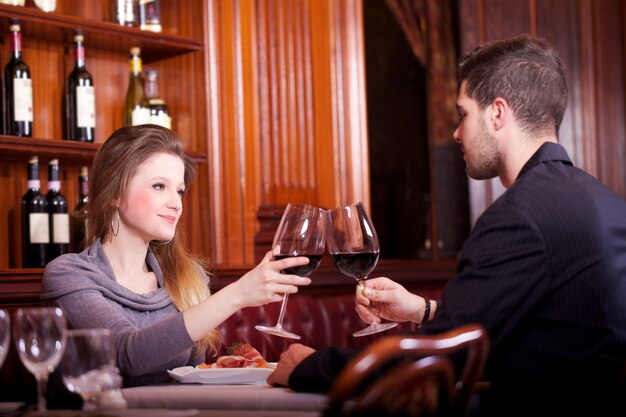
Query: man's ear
499	113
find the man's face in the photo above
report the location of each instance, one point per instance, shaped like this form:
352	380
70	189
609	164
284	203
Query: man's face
479	147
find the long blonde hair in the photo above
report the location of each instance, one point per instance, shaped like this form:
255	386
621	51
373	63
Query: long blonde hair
114	165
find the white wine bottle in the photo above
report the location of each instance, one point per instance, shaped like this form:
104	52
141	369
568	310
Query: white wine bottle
34	220
80	97
136	111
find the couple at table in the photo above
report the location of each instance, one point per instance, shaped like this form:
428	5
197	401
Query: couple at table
544	269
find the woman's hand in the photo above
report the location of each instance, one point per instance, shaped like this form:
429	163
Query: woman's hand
384	298
265	283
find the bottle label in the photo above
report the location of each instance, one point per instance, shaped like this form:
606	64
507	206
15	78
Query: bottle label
33	184
86	106
140	116
61	228
54	185
161	119
39	228
23	99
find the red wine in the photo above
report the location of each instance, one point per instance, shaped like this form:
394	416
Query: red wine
357	265
18	88
34	219
78	225
80	97
57	209
302	270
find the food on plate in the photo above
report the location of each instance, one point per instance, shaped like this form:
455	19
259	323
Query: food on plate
239	355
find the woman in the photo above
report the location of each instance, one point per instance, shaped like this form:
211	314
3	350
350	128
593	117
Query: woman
136	278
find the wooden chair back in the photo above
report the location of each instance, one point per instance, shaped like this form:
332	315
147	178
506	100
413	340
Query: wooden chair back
472	339
421	388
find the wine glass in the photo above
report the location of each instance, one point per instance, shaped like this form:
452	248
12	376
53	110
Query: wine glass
300	233
88	366
5	334
354	249
39	334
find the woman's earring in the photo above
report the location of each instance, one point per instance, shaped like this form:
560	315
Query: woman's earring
115	229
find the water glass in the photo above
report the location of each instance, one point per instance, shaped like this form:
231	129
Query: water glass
39	336
88	367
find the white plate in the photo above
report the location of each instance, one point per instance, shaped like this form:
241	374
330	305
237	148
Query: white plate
220	376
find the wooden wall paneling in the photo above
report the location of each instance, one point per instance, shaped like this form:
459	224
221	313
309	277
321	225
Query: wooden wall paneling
290	136
286	112
180	19
312	103
558	21
233	118
610	135
248	87
214	177
324	102
89	9
231	153
353	169
586	88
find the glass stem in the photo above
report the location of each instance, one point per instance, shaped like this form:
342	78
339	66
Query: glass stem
42	391
283	307
362	287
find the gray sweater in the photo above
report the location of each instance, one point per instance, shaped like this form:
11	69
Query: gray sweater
150	334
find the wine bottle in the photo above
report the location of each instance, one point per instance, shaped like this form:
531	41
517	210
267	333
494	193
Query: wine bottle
150	15
78	239
58	216
18	88
34	220
13	2
136	111
159	113
124	12
80	97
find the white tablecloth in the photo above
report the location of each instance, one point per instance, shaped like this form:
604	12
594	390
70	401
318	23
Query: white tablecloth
222	397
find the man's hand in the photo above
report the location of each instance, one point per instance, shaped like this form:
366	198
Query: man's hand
387	299
289	359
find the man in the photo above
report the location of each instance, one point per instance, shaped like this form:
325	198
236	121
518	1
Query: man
544	269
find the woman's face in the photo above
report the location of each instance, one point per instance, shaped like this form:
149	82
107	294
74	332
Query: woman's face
153	204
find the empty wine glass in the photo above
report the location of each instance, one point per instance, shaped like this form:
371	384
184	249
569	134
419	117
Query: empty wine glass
39	335
5	334
354	249
88	366
300	233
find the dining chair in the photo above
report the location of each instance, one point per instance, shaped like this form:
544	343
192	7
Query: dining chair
379	360
421	388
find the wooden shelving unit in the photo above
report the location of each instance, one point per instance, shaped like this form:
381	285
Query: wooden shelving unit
177	53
